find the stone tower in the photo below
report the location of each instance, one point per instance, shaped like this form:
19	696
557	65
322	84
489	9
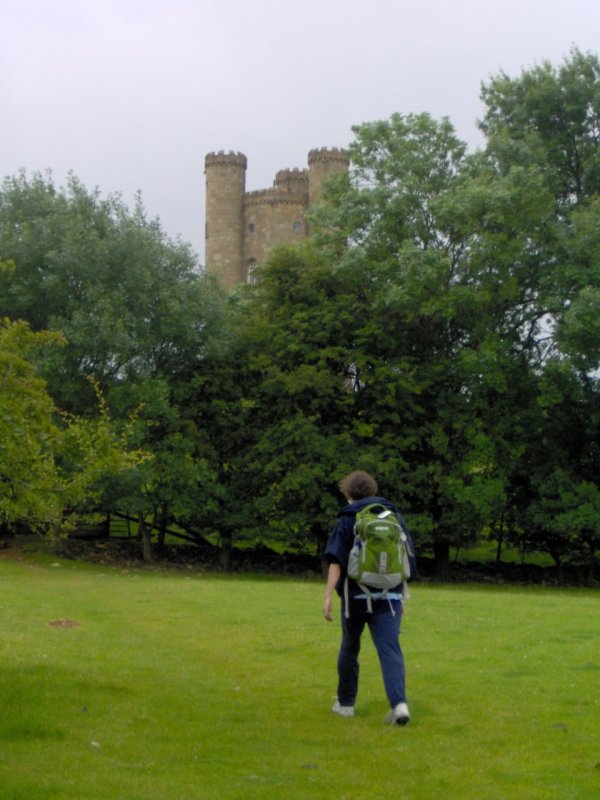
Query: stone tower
225	187
322	163
242	227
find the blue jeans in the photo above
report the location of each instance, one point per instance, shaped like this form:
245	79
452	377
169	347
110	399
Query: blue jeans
384	628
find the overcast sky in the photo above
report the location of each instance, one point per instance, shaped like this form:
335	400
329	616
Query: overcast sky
131	94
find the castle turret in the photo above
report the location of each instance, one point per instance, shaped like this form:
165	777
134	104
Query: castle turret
224	234
322	164
294	181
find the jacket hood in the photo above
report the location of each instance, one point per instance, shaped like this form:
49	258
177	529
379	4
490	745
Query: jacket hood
357	505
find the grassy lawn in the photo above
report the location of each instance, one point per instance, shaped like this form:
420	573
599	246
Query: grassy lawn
486	552
159	685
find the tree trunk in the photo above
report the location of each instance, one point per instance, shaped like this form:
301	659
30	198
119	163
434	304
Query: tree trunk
324	566
441	556
558	567
162	531
500	539
145	534
321	543
225	551
592	572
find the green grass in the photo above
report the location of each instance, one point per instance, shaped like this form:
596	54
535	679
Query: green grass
486	552
176	686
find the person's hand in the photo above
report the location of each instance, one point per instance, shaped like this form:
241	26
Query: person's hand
327	608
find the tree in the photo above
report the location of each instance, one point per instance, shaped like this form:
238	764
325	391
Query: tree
48	466
548	120
137	316
557	467
481	271
446	245
296	325
550	116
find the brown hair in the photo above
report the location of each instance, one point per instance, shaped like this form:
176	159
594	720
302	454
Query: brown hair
358	485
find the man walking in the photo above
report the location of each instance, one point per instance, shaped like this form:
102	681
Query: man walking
380	610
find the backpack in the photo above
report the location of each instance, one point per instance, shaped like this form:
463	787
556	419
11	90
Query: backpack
379	558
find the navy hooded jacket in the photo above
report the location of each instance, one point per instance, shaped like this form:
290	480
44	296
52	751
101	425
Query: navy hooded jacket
341	540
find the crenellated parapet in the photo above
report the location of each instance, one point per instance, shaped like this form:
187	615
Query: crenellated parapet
329	155
226	158
292	180
275	196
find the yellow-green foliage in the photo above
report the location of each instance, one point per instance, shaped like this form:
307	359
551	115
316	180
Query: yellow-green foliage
47	463
30	484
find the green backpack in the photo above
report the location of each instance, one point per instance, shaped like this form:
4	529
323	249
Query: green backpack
379	558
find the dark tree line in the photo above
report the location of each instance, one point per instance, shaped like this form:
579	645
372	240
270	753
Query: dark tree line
440	329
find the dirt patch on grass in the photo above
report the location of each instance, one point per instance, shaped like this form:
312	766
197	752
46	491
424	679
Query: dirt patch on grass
64	624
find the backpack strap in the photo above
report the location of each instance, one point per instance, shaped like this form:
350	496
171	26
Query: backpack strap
384	596
367	591
372	506
346	599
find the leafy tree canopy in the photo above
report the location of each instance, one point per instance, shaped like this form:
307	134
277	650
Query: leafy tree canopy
130	303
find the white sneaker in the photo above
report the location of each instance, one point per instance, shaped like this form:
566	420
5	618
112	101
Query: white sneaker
343	711
399	715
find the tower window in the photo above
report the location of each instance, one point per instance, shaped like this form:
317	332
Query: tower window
251	228
251	276
297	227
